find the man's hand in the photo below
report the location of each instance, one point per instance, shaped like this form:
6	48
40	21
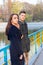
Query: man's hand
22	36
21	56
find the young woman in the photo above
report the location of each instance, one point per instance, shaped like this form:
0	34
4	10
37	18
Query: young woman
14	35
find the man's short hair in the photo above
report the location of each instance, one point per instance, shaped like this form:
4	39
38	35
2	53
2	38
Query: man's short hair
22	12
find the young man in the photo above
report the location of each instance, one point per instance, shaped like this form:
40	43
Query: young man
25	39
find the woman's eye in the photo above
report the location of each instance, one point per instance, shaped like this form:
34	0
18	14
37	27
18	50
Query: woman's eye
15	18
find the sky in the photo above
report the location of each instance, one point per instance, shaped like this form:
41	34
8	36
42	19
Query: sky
30	1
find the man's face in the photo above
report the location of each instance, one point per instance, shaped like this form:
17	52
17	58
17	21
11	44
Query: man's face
22	16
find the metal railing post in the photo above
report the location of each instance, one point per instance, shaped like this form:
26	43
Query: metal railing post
41	38
35	43
5	57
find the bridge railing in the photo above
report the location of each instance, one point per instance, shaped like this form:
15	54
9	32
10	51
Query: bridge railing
36	40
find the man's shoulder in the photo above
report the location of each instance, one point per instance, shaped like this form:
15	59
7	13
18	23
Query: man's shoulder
25	23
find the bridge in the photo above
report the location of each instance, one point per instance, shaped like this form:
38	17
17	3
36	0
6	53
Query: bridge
36	50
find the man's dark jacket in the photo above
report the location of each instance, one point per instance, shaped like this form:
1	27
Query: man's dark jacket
25	39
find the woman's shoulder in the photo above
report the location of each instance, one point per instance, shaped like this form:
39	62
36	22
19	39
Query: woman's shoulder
14	28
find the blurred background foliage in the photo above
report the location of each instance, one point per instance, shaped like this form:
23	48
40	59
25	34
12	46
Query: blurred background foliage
34	12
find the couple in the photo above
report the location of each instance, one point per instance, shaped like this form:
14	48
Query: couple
17	33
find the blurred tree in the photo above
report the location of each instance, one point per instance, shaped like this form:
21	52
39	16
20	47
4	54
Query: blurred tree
38	12
28	17
16	7
28	8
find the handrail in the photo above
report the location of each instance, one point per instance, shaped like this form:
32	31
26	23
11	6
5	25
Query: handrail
34	34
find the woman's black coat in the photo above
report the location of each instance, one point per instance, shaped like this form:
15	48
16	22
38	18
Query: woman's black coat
14	35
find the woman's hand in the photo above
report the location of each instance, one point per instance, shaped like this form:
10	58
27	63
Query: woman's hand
21	56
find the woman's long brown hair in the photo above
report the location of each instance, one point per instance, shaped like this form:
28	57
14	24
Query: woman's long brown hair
9	23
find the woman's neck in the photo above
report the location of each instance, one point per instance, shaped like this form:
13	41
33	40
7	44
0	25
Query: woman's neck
17	25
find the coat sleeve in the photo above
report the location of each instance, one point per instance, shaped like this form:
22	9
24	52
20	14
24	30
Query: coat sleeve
20	49
11	33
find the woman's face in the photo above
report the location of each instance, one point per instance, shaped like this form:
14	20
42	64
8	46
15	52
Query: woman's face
14	19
